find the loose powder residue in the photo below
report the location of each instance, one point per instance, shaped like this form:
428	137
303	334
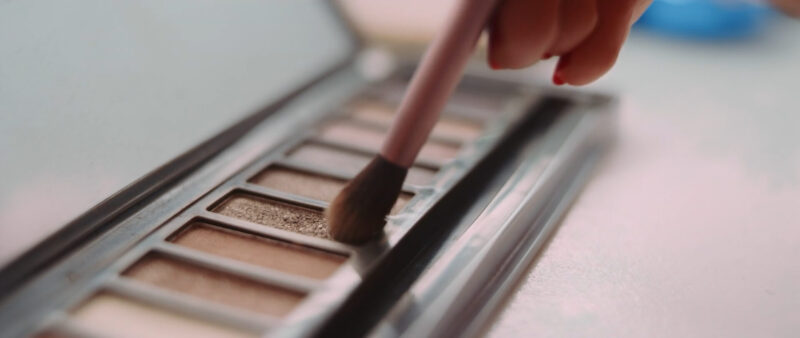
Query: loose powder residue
275	214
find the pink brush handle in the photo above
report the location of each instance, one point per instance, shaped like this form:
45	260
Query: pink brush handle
434	81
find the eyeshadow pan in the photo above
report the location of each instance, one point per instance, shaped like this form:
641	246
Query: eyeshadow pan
309	185
489	99
448	127
355	135
275	214
372	111
214	286
457	129
329	157
112	316
349	162
259	250
477	98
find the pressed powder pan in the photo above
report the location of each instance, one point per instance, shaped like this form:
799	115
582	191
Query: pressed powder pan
363	136
259	250
382	113
315	186
113	316
214	286
328	157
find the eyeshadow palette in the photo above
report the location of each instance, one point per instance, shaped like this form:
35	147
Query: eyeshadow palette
174	182
241	247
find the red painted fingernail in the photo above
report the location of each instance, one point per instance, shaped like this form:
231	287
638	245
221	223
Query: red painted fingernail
558	77
557	80
493	64
546	56
563	61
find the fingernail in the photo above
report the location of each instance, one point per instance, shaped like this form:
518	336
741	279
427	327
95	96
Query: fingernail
557	80
563	61
558	76
546	56
493	64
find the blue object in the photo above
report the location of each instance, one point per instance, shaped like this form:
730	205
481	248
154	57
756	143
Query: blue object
705	19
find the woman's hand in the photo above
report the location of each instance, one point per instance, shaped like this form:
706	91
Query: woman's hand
586	35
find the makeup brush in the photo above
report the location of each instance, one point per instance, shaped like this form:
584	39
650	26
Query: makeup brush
358	213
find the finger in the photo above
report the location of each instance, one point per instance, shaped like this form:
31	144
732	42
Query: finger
576	20
597	53
789	7
521	32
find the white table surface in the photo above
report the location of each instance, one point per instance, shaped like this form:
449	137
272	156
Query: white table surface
691	225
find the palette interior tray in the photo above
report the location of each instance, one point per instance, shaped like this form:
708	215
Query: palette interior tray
250	255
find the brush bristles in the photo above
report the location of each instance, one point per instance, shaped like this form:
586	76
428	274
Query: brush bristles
359	212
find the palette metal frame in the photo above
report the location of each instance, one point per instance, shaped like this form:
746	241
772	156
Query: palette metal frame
148	231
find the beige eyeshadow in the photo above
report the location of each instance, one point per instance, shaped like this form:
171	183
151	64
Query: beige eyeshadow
275	214
329	157
448	127
352	134
322	156
373	111
309	185
258	250
214	285
477	98
109	315
457	129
